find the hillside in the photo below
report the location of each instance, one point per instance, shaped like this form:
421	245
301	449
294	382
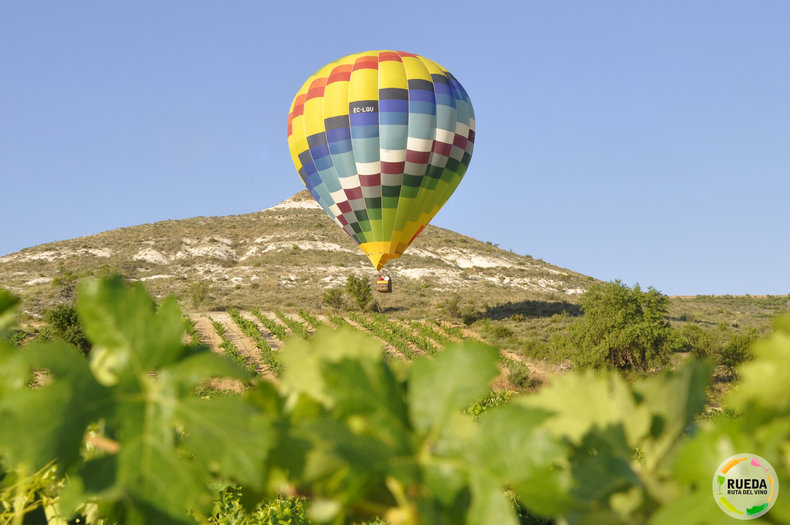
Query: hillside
288	255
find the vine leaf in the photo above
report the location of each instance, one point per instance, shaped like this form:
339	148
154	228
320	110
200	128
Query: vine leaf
515	450
47	422
8	304
127	329
581	401
442	387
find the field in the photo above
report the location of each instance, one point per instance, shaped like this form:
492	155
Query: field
254	337
308	422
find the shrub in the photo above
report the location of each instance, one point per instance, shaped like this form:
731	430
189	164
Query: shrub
18	336
735	351
518	374
65	277
702	343
501	331
198	293
451	306
622	327
333	298
359	290
65	323
722	345
688	317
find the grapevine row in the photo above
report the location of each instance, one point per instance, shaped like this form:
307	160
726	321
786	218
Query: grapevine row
275	328
250	329
310	318
230	349
295	326
428	331
192	333
339	321
423	343
452	331
379	331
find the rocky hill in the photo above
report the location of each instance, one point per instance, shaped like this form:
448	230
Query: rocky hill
286	255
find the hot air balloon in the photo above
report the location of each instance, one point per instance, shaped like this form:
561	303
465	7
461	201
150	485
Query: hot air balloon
381	140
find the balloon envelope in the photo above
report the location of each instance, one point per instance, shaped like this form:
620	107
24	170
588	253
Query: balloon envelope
381	139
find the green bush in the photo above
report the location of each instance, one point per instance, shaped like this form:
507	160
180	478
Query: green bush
724	346
18	336
65	323
702	343
452	307
359	290
198	293
65	277
333	298
622	328
518	374
735	351
230	508
500	331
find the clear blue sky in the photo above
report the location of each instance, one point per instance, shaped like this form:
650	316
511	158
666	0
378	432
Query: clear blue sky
646	141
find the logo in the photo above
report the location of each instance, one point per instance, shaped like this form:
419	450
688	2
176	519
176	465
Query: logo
745	486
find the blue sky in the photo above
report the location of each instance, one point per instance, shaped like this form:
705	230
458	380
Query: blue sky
648	142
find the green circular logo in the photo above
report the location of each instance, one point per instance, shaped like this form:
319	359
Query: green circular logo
745	486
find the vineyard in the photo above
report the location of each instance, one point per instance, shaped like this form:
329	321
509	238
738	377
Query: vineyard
253	338
356	418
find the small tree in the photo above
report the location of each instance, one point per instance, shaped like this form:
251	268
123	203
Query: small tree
735	351
359	289
198	293
518	374
65	323
724	347
623	328
333	298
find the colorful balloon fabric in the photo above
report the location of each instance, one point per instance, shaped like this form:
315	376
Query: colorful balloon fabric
381	139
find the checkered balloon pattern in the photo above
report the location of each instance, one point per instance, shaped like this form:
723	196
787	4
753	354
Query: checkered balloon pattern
381	139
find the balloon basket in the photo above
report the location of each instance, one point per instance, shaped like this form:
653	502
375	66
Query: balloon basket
384	284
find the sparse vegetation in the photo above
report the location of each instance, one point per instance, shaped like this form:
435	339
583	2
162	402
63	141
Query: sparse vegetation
406	334
453	308
338	321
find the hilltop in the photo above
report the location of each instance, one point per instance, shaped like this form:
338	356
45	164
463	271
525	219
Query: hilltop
273	267
288	255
